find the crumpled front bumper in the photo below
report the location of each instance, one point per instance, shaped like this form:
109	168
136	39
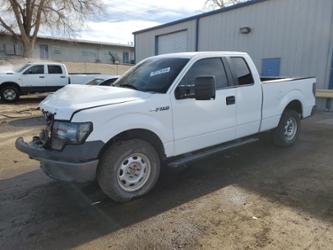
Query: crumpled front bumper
75	163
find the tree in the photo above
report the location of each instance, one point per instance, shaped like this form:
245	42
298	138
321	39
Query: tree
222	3
24	18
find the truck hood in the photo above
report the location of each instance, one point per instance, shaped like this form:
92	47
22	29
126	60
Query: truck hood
71	98
7	74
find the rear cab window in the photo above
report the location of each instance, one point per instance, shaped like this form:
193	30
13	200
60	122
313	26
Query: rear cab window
241	71
54	69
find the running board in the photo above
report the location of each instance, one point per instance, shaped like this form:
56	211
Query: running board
190	157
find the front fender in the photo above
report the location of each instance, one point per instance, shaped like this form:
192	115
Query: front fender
107	128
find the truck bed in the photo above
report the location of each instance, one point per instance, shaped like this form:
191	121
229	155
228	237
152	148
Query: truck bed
281	79
277	93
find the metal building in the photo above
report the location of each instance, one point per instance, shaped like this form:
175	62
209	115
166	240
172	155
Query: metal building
69	50
284	37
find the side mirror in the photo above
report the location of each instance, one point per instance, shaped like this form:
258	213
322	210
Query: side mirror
204	88
184	91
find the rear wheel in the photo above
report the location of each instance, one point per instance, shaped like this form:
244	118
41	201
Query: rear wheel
287	133
128	169
9	93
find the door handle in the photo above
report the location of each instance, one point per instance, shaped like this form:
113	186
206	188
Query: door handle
41	76
63	76
230	100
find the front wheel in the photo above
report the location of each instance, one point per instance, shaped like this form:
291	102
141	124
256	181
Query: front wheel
9	93
128	169
287	133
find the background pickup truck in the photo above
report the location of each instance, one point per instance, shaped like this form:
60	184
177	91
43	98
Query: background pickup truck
39	77
168	110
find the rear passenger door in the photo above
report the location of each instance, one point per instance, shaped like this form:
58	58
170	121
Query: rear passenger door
55	76
248	98
203	123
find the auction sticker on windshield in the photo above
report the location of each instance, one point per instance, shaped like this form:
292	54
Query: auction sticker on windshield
160	71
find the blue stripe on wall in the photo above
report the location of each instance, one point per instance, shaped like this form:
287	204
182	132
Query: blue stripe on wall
330	83
197	34
156	45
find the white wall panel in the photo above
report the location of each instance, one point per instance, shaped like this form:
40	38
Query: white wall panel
171	43
145	42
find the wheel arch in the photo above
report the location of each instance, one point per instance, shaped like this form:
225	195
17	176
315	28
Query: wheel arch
10	84
143	134
295	105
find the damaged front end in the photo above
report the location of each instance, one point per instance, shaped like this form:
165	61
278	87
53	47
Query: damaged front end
62	150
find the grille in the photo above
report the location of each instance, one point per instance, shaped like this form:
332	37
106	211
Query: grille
45	134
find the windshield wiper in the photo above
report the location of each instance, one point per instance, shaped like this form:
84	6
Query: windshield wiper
127	86
150	91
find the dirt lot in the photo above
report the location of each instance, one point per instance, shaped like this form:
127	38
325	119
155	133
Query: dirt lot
253	197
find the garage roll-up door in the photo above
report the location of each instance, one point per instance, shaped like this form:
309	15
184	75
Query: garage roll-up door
170	43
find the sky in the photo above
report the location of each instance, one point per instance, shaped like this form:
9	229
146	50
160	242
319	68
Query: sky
122	17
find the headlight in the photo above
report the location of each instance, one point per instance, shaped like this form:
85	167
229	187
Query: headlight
69	133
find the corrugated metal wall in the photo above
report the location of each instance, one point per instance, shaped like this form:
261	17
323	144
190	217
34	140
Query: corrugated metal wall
300	32
297	31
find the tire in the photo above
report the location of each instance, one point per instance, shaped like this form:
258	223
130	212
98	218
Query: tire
9	93
124	163
287	133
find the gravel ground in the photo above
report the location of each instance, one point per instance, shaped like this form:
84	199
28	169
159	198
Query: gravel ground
253	197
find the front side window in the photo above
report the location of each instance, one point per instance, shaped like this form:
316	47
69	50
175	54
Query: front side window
108	82
207	67
35	70
54	69
96	81
153	75
241	70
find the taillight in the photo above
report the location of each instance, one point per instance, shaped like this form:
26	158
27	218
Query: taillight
314	89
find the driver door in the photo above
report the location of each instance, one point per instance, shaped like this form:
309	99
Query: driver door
34	77
200	124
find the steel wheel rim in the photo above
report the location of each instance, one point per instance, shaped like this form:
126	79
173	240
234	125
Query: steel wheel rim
9	94
133	172
290	128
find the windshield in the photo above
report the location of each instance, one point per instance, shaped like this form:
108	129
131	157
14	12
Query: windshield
153	75
20	69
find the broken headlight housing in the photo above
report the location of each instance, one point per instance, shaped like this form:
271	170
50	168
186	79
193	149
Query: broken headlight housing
63	133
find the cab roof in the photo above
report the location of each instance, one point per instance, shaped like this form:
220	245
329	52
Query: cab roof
190	55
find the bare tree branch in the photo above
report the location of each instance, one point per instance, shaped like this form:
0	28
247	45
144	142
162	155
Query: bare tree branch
30	15
15	9
222	3
38	21
7	27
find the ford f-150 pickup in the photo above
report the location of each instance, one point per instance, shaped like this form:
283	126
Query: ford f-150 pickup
39	77
167	110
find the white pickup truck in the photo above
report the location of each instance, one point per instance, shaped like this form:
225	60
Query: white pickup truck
167	110
39	77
